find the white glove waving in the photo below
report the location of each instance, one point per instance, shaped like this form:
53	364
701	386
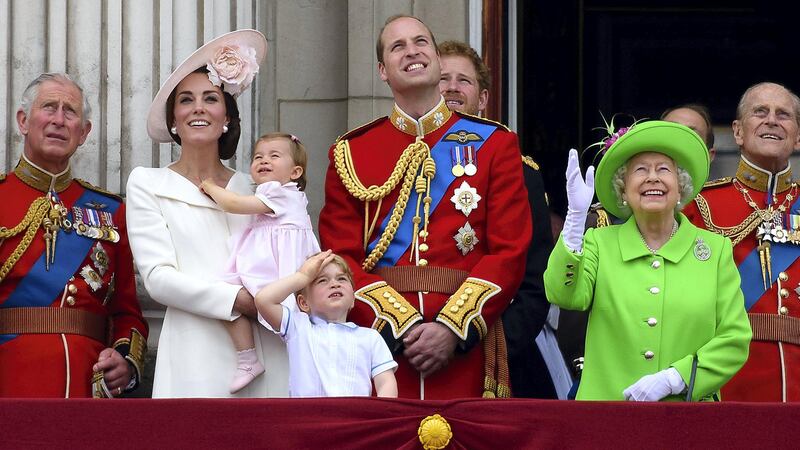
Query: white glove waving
654	387
579	196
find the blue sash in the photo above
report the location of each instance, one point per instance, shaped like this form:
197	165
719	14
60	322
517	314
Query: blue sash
443	179
782	256
40	286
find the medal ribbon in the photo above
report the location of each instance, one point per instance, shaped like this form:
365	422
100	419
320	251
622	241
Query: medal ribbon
40	286
782	256
441	153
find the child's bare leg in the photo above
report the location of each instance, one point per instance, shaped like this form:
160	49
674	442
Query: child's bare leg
248	367
241	333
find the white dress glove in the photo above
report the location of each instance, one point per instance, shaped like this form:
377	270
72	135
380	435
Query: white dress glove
652	388
579	197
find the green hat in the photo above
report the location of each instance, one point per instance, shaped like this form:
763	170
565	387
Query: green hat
678	142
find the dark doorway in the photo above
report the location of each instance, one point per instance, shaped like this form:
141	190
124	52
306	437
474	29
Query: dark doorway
577	58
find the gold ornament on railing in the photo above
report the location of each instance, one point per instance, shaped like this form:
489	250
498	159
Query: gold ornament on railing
434	432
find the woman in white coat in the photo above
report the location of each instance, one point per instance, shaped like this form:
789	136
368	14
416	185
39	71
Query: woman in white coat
179	236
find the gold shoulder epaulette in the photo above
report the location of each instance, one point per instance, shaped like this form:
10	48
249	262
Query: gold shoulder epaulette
718	182
92	187
603	220
482	119
361	128
528	161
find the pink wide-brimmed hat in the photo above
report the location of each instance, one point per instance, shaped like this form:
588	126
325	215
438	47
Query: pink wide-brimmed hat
232	61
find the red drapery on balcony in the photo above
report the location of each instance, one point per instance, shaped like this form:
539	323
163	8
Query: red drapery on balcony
377	424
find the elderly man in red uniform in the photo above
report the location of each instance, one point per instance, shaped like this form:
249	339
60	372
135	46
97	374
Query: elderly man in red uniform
429	208
758	210
70	323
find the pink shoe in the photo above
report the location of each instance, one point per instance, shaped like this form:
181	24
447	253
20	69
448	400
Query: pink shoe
245	373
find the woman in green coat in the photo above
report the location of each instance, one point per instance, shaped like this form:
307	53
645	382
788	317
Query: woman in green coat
661	292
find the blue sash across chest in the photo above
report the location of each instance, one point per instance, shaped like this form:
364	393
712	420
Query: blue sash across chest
40	287
440	153
782	256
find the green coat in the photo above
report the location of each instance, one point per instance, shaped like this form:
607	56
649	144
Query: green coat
650	312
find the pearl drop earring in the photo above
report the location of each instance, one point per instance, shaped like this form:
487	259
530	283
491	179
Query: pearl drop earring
624	203
224	128
173	130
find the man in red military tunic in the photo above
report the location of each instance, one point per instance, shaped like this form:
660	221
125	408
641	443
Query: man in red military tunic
430	210
70	323
758	210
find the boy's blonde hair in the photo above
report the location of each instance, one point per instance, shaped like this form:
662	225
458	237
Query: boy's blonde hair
299	155
339	262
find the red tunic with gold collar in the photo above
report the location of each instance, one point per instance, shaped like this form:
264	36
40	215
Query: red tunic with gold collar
98	291
463	260
758	224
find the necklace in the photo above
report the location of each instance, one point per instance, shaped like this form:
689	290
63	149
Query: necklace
672	233
771	226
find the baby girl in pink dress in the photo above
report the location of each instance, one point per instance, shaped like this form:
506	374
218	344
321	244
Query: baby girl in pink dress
276	243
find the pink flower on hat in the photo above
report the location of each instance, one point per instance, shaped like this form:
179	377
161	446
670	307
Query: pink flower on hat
609	141
234	67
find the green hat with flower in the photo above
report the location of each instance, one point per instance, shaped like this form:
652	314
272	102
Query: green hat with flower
674	140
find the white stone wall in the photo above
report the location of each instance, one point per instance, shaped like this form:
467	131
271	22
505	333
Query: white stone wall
319	79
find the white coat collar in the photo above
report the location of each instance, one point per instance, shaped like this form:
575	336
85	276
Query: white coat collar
174	186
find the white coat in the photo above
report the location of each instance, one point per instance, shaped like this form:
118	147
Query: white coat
179	238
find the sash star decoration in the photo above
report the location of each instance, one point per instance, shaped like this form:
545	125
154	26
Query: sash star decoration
466	239
466	198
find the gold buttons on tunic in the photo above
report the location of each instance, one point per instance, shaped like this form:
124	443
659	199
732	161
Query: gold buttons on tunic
652	321
70	300
423	234
463	296
403	310
649	355
784	310
397	305
655	264
423	262
423	247
783	276
784	292
454	309
72	288
654	290
468	291
387	294
460	302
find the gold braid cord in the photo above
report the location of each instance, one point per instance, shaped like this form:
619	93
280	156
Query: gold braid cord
30	223
405	169
735	233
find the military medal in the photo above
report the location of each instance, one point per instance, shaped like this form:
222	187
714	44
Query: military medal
469	157
792	222
91	277
100	259
95	224
455	158
701	250
466	239
465	198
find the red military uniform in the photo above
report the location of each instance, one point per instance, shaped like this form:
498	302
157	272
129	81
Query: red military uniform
56	316
764	231
454	246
